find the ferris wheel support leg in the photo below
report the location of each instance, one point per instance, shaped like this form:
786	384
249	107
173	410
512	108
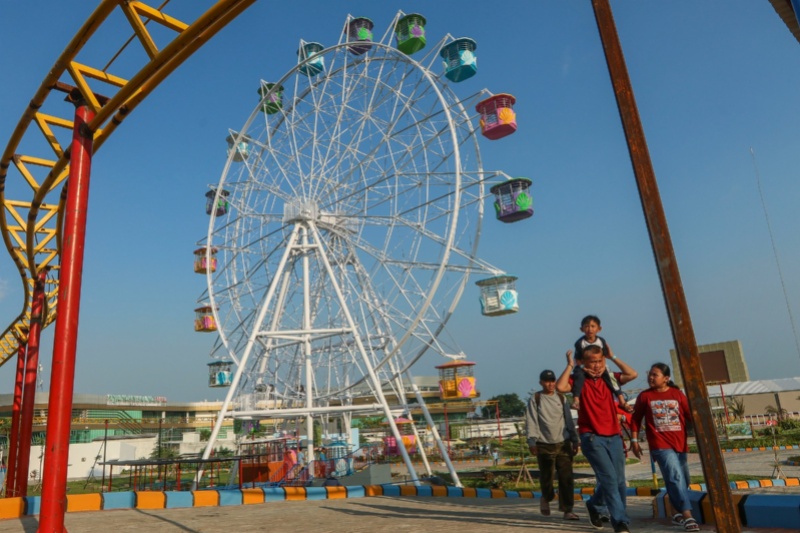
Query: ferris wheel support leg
376	383
307	353
420	446
436	437
29	388
62	381
237	376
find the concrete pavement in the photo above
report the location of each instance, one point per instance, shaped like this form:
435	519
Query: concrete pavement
463	515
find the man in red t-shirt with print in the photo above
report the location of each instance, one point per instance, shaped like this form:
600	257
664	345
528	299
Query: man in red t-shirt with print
599	431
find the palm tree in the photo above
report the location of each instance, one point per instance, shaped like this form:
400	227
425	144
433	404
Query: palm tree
736	408
772	410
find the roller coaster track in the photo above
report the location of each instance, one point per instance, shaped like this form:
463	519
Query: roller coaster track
32	228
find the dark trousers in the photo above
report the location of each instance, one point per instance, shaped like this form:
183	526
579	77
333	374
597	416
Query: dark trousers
556	458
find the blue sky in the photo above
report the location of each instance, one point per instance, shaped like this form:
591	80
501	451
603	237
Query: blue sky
712	80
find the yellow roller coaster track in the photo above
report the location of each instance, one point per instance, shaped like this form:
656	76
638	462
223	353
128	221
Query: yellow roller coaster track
31	228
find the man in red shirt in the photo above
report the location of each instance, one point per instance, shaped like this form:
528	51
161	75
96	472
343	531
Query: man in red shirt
599	431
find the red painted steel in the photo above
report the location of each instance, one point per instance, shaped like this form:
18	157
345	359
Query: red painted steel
54	479
29	388
16	410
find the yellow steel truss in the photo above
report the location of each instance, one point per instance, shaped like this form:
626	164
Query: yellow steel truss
31	228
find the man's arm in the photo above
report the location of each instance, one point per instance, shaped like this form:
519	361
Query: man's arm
628	373
562	383
532	424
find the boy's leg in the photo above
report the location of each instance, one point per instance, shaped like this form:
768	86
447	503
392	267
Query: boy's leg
611	383
578	378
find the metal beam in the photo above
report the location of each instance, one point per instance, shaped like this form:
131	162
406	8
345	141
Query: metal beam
667	264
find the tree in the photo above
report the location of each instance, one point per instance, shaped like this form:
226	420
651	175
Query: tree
510	405
772	410
205	434
165	453
736	408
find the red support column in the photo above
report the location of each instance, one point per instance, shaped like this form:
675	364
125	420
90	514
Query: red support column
56	456
29	390
16	410
497	416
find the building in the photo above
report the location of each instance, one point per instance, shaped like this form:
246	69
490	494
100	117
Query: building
722	362
125	415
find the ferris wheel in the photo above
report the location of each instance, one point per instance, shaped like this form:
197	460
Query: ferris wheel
345	226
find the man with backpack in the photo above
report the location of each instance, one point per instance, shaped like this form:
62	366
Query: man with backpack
552	438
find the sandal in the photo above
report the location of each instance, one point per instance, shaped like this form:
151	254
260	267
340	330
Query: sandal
678	519
570	516
544	507
690	524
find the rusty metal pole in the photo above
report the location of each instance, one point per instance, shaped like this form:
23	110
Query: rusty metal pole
682	332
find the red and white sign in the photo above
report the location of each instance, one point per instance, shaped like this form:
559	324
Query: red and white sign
772	422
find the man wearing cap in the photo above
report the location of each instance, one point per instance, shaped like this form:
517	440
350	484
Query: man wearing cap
553	439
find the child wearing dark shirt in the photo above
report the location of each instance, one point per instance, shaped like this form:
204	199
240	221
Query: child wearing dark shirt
590	326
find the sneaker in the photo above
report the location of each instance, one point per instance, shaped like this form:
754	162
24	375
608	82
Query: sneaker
622	527
605	518
594	516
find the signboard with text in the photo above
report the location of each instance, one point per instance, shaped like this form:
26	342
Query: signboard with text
132	399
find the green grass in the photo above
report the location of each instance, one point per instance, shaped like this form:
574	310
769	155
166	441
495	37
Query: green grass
122	482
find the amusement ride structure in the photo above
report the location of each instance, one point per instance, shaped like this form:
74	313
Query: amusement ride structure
343	231
357	182
345	227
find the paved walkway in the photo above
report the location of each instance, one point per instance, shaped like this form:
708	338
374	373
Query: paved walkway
462	515
382	513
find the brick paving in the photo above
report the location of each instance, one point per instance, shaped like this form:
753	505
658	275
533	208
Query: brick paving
379	513
467	515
